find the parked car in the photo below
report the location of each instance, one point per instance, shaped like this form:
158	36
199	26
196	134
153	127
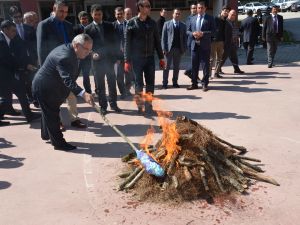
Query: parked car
278	2
295	7
255	6
240	8
286	5
269	5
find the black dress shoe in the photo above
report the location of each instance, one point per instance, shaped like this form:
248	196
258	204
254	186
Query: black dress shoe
13	112
103	111
217	76
239	72
65	147
269	66
176	86
116	109
192	87
165	87
4	123
33	116
204	88
78	124
36	104
221	72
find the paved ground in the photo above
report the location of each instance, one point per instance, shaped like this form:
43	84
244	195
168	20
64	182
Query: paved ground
259	110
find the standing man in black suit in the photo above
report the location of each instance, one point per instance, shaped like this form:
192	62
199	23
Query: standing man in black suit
161	21
9	64
52	32
231	43
85	64
272	33
26	40
193	9
201	29
53	83
123	80
103	58
173	43
250	29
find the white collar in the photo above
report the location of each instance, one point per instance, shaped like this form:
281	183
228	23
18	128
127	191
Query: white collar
6	38
97	23
120	22
175	22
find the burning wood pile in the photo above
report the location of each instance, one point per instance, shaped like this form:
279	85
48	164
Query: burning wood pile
196	164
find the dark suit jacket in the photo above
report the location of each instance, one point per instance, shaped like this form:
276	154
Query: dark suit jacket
57	76
107	47
78	29
48	37
8	63
250	29
30	40
168	36
119	39
208	28
268	33
160	24
187	23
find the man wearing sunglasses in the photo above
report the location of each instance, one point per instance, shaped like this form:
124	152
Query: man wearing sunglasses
141	40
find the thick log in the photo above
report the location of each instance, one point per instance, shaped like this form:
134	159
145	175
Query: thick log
187	173
261	177
204	181
125	174
128	157
175	181
245	158
183	161
225	160
172	164
137	177
239	148
129	178
213	169
254	167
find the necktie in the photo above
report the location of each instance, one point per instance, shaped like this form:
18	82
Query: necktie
198	23
275	24
101	32
20	31
63	32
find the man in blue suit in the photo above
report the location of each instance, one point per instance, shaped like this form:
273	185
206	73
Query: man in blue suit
200	31
173	43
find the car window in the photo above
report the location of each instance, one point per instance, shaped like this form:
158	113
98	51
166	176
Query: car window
257	4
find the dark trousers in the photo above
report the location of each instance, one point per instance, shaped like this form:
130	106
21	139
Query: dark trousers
102	69
143	66
50	107
85	68
200	56
124	80
249	47
271	50
173	56
231	53
15	87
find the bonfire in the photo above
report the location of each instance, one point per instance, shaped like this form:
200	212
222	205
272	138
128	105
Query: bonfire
196	164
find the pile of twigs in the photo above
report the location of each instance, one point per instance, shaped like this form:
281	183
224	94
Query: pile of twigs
204	165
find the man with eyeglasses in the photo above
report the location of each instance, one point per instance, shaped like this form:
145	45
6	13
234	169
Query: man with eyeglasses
51	33
53	83
141	40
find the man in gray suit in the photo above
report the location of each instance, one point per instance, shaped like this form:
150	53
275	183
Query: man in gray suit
173	43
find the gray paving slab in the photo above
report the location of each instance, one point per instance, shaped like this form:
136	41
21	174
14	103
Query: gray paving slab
259	110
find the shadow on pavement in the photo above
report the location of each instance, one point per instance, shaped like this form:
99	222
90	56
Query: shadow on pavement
4	184
209	115
5	144
241	89
235	82
8	162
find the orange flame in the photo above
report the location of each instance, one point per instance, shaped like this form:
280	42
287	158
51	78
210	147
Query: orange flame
170	135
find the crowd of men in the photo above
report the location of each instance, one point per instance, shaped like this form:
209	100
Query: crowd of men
120	54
